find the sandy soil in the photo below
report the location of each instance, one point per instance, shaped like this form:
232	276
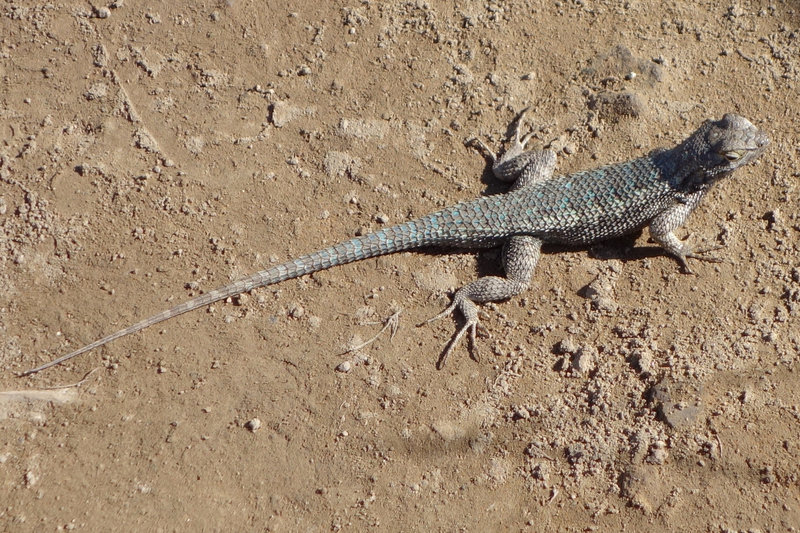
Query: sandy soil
154	150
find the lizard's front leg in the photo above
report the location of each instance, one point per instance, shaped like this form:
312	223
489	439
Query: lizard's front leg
520	255
663	225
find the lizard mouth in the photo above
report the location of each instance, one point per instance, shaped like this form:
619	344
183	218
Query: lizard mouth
755	146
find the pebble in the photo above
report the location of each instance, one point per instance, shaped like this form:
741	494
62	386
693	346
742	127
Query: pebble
584	360
253	425
678	404
643	361
566	346
296	310
658	453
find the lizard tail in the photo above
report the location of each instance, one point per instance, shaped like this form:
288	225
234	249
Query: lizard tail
426	231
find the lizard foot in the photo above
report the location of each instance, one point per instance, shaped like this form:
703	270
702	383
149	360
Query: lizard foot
483	147
470	312
517	145
700	255
520	143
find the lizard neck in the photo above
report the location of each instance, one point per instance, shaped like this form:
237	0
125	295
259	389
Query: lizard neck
681	169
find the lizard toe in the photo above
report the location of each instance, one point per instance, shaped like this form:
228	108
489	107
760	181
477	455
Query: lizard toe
470	327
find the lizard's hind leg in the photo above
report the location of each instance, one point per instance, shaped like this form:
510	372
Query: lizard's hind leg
520	256
520	253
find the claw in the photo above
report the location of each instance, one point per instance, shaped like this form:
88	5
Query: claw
700	255
471	326
518	127
525	139
446	312
685	264
697	254
482	146
517	147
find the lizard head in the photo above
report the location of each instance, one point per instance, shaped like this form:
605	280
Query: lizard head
720	147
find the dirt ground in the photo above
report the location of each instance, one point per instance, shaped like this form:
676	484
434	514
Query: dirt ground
152	151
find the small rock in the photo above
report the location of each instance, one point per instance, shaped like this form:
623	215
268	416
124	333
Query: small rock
658	453
678	404
96	92
283	113
520	413
296	310
584	360
449	431
253	425
774	220
643	361
612	106
601	291
363	128
575	452
566	346
341	164
344	367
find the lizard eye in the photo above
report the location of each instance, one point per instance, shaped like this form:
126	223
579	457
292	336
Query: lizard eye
733	155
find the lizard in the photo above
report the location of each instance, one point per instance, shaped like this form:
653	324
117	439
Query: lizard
659	190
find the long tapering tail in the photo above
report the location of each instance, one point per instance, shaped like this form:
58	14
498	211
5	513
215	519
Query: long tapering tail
433	229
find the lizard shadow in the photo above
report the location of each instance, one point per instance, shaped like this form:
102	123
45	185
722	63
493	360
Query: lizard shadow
489	261
624	249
